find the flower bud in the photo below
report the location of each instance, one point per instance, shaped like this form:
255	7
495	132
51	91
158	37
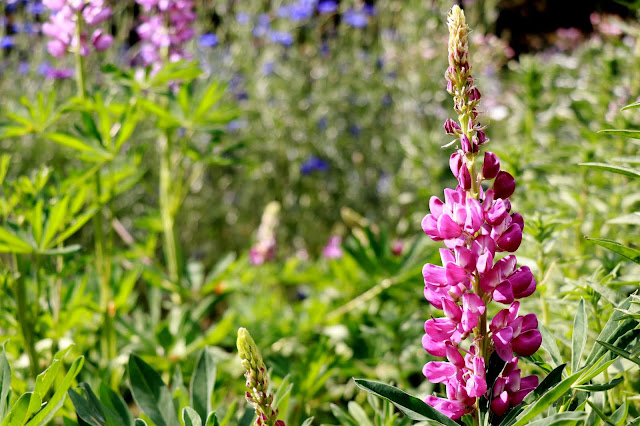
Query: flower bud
451	127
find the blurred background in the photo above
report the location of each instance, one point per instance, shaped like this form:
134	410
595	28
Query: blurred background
337	113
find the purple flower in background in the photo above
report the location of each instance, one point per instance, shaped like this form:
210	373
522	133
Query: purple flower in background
322	123
59	73
61	27
356	19
208	40
281	37
263	26
327	6
314	164
6	42
166	26
369	9
267	68
333	249
23	68
242	18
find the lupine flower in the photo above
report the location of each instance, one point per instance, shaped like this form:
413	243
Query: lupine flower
265	247
208	40
259	395
356	18
327	6
475	224
61	27
333	249
165	29
314	164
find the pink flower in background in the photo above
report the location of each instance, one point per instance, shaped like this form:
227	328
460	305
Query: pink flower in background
333	249
165	29
475	223
61	27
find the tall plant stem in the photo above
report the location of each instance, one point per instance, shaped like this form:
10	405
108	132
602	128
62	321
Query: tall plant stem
108	340
167	210
26	324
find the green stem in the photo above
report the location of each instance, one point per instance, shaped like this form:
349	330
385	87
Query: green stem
543	303
167	211
26	326
80	77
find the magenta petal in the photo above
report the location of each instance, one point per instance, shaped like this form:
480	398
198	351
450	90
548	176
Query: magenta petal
510	239
527	343
491	165
455	163
529	382
490	280
521	280
455	274
476	386
454	357
516	218
436	206
502	340
475	216
500	405
434	274
504	185
473	302
451	310
430	227
440	329
452	409
448	228
464	178
433	347
465	144
438	372
497	213
517	397
503	293
529	322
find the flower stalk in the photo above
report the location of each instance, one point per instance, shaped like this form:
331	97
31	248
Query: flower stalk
476	224
258	394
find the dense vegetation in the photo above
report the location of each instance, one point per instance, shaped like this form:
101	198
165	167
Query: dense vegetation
267	165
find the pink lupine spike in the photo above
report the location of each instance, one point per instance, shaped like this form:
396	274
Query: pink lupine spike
438	372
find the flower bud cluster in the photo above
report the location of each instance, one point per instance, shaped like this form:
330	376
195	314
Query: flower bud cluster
63	24
165	29
476	225
265	247
257	377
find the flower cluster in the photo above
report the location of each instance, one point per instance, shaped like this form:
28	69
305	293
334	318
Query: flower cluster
66	26
166	27
257	376
476	225
265	247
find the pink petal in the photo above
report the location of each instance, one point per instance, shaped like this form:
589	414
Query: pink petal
511	238
438	372
503	293
500	405
504	185
527	343
491	165
448	228
433	347
452	409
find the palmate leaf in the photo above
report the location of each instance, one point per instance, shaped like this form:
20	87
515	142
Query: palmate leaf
411	406
628	252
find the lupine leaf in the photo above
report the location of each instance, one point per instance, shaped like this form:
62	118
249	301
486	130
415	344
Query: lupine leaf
87	406
579	337
201	387
561	418
601	387
600	413
190	417
26	405
612	331
628	252
627	133
212	420
549	344
247	417
621	170
115	409
358	413
151	394
57	400
5	383
616	350
411	406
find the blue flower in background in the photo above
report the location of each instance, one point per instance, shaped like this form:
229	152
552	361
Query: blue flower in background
267	68
208	40
6	42
235	125
356	19
242	18
282	37
262	27
23	68
354	130
369	9
322	123
36	8
314	164
327	6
